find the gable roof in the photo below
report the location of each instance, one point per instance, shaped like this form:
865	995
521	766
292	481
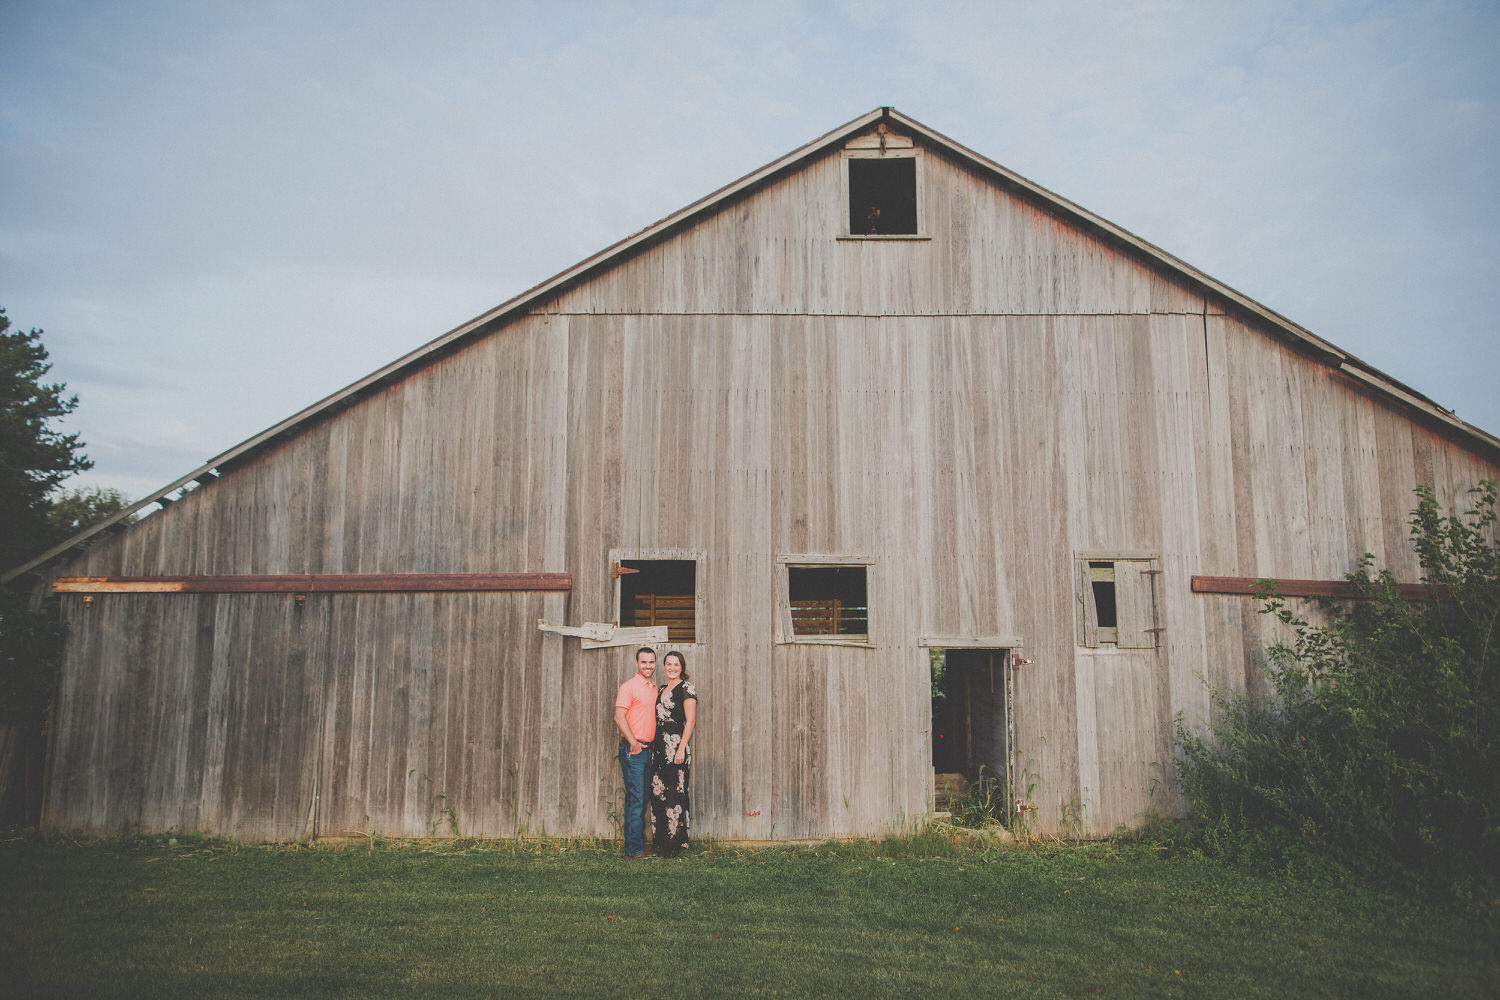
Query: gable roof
1299	337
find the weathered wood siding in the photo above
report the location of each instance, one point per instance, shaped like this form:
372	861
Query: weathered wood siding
971	410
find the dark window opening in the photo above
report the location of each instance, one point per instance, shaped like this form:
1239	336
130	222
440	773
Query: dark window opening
883	196
661	592
828	600
1102	577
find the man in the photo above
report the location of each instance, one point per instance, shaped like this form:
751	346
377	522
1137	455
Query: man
635	718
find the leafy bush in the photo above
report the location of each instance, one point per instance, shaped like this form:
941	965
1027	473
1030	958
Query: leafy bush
1376	745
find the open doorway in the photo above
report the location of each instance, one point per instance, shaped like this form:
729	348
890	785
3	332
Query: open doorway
971	726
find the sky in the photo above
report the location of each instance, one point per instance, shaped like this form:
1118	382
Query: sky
221	212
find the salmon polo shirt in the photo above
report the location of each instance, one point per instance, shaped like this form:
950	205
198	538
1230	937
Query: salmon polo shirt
638	698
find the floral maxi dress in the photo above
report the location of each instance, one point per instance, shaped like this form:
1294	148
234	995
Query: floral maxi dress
669	780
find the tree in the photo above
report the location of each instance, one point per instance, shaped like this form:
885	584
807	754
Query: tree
30	636
34	457
74	510
1379	741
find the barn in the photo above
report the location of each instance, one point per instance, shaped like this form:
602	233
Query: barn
880	398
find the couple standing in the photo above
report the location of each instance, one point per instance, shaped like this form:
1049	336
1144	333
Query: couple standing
656	727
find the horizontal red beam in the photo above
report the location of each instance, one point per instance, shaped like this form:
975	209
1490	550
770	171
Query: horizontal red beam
1293	588
316	583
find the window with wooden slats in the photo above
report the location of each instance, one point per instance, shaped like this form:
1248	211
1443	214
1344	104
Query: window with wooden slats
1118	603
661	592
828	601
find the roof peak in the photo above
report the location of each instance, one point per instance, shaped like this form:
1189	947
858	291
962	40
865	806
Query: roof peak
663	228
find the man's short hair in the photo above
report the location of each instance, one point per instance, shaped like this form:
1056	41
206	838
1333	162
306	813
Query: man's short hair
644	649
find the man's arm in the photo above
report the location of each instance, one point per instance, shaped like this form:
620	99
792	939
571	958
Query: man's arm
635	744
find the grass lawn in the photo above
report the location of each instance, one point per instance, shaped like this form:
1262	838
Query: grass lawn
920	916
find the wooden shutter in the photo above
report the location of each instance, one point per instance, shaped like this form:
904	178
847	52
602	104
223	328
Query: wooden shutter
1135	603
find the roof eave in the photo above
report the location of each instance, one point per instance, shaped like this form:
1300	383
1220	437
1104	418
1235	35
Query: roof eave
1308	341
447	341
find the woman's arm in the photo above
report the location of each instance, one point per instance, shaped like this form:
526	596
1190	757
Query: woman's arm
690	709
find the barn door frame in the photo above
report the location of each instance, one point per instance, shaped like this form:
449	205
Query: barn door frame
1008	649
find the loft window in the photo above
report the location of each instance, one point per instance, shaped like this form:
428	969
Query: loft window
824	599
883	196
882	173
1118	603
661	592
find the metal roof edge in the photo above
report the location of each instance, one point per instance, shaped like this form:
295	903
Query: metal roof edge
1121	235
447	340
94	529
1332	355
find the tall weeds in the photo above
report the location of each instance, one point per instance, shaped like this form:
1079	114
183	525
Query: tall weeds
1378	743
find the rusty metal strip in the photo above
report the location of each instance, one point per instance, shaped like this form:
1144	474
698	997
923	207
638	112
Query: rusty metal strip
1245	585
325	583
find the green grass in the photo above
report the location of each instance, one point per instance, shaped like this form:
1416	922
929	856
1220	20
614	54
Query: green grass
142	917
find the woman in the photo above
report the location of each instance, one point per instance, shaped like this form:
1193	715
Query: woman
672	758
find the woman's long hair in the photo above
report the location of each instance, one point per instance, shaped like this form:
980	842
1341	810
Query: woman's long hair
680	659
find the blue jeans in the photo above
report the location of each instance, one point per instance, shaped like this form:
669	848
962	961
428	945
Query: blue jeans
634	768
